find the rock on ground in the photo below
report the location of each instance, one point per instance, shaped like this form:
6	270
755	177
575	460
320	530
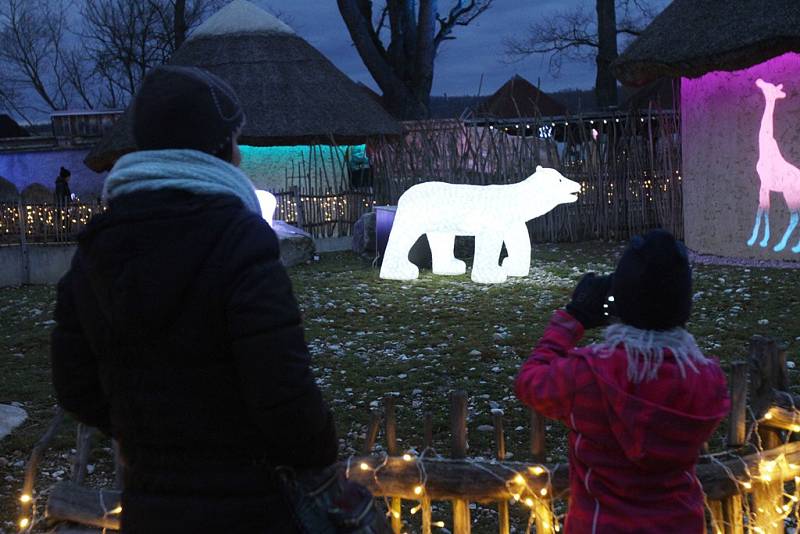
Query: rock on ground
10	418
364	236
297	246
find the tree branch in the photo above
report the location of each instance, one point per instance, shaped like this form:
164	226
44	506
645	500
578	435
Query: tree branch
460	14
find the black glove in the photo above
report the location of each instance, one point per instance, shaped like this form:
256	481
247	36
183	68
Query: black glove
588	298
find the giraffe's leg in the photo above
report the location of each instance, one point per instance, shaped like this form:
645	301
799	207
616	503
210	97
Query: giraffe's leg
518	244
756	228
765	240
395	265
443	260
485	267
793	219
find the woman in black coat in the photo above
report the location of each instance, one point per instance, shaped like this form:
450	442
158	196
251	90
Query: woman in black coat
177	330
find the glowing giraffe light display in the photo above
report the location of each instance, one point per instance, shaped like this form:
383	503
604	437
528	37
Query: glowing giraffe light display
494	214
775	173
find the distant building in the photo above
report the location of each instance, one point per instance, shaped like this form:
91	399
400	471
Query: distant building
519	99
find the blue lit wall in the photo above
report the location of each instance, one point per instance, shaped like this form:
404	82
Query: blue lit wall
269	166
26	168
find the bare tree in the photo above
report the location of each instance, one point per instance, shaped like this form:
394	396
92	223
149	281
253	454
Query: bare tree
403	68
580	35
31	54
126	38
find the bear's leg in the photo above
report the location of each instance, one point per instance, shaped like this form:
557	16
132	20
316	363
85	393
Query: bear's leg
444	261
395	265
485	267
518	245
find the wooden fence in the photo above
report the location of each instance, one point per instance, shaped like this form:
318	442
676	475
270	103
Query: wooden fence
321	215
628	166
750	487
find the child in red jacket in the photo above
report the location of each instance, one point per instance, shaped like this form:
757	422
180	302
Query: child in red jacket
640	404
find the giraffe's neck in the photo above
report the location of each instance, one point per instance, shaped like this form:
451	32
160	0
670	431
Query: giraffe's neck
766	138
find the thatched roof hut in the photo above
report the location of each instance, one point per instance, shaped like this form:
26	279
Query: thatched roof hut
519	98
292	94
690	38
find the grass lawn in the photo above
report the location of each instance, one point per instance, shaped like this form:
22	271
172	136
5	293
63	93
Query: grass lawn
419	340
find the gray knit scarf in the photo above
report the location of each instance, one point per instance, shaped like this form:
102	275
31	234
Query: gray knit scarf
645	349
188	170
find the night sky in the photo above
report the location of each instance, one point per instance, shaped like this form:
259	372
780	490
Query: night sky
477	49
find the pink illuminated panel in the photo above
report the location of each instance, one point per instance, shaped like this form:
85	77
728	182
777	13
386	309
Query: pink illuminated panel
741	160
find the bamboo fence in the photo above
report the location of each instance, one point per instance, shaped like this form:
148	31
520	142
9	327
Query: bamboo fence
751	487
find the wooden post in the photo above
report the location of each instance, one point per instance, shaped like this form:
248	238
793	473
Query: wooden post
503	521
298	203
738	418
83	448
25	267
767	374
372	432
428	431
717	518
426	508
395	503
458	427
733	515
537	436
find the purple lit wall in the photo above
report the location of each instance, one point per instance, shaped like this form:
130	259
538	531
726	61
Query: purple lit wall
741	152
26	168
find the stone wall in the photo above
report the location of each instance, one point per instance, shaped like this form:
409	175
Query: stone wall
721	117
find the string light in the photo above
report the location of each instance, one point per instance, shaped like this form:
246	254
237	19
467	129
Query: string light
24	522
25	498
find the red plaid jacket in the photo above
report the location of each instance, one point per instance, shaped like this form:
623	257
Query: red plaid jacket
632	447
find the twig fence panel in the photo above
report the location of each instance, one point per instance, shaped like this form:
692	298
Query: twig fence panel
628	166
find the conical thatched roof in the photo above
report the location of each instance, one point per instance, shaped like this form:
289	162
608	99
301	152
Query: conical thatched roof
693	37
519	98
292	95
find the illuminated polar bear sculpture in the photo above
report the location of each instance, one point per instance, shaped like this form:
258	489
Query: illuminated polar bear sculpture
268	203
492	213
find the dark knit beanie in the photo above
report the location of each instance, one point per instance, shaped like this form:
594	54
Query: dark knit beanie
64	172
652	285
186	107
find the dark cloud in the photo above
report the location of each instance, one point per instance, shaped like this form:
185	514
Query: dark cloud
477	50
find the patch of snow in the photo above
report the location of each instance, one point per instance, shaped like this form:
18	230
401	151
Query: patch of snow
10	418
240	16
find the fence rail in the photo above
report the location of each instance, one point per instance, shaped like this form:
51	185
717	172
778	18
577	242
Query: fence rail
322	215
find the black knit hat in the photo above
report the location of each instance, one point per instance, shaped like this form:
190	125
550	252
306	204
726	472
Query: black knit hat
652	285
186	107
64	172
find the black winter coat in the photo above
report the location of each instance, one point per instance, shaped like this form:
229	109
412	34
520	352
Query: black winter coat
62	195
178	334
